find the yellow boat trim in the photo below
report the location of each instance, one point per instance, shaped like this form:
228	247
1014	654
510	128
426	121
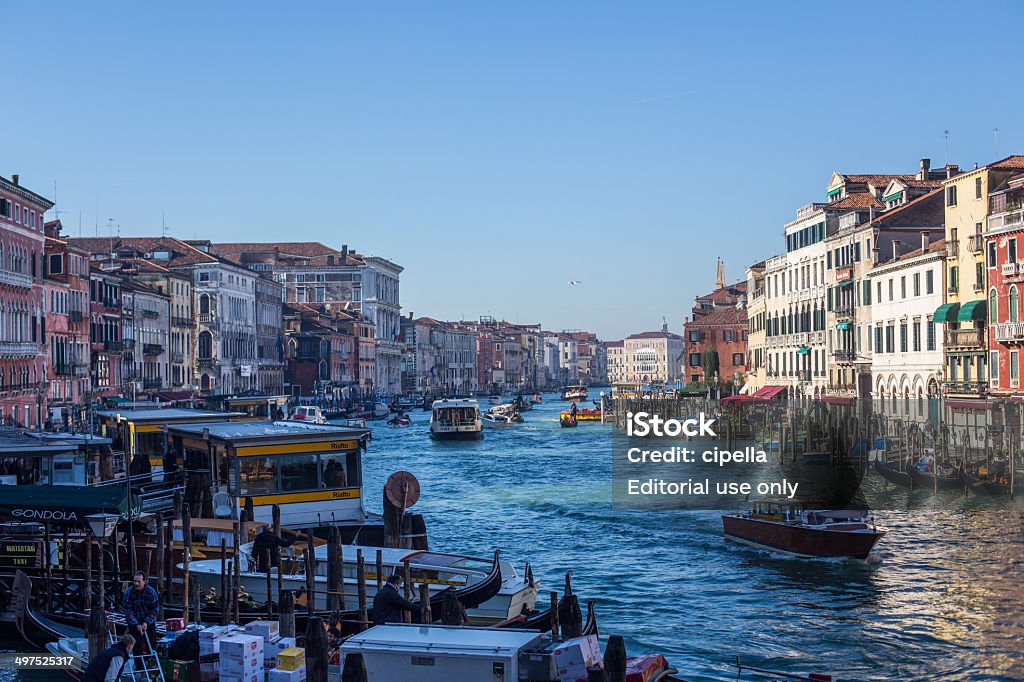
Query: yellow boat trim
147	428
311	496
322	446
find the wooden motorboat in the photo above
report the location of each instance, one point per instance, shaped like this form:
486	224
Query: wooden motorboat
783	526
400	420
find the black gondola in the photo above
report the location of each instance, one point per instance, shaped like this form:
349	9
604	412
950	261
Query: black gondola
892	474
929	481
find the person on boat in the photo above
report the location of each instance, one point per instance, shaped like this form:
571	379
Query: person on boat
334	475
266	543
573	410
140	605
389	604
109	663
453	612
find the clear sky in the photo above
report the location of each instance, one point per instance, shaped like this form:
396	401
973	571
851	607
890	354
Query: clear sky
499	150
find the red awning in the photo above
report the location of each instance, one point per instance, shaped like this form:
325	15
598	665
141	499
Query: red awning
768	392
836	399
738	399
975	404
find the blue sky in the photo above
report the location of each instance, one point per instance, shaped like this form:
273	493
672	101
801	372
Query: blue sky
497	151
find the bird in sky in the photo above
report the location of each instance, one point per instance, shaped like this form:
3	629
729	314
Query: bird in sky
574	282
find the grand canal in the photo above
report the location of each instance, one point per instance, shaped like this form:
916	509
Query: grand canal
941	600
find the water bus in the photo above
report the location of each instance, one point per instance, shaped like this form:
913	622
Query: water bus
457	419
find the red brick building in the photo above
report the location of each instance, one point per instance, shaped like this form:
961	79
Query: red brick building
105	331
66	270
22	314
1004	251
725	331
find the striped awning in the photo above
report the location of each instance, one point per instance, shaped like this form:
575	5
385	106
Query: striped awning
946	312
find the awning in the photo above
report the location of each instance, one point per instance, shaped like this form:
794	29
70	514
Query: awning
836	191
843	325
768	392
836	399
844	284
972	311
738	399
64	504
803	351
946	312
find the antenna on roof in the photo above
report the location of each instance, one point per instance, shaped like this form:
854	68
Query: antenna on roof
995	146
163	223
945	135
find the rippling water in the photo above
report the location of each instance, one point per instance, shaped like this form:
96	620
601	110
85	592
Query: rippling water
941	599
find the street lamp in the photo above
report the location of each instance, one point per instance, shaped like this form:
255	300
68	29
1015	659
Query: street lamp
102	526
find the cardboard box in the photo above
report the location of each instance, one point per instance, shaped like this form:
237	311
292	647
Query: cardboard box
278	675
291	659
249	666
258	677
240	647
272	649
209	671
573	656
175	624
267	629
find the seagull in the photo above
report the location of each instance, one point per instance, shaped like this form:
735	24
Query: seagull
574	282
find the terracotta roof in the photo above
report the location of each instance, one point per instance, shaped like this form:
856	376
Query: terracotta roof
726	293
1015	162
315	252
888	215
721	316
654	335
878	180
856	200
933	247
182	253
615	344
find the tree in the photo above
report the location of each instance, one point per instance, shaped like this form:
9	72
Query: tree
710	362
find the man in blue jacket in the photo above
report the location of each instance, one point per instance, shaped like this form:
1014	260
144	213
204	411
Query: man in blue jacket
109	663
389	604
141	606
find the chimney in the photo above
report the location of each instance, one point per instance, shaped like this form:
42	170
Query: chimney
949	172
344	250
14	178
925	166
410	314
924	242
895	249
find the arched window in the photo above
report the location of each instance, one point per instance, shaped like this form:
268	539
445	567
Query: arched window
205	345
204	305
993	307
1013	304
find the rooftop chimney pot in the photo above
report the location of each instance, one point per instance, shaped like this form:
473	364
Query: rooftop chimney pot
925	167
14	178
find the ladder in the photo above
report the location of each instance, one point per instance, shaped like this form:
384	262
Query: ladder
140	667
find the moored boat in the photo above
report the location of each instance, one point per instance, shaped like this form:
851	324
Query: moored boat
308	414
783	526
574	392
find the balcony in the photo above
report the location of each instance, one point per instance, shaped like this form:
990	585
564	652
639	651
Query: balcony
952	249
965	387
206	318
178	357
1013	218
128	344
1009	269
1010	332
152	349
112	346
16	279
844	310
62	369
150	313
952	289
152	383
845	355
18	348
965	338
183	322
976	243
208	363
75	316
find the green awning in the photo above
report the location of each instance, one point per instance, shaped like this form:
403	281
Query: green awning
843	325
972	311
946	313
836	191
803	351
892	196
65	504
844	284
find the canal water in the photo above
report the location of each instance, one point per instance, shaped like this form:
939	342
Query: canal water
941	599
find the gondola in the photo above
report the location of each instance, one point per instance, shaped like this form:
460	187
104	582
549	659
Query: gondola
541	621
984	486
930	481
891	474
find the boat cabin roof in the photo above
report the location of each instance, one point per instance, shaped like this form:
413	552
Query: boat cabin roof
256	399
235	433
454	402
395	557
441	639
167	416
78	439
14	443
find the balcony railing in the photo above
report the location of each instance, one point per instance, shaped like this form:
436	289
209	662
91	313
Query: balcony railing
1011	218
18	348
206	317
150	313
965	338
152	383
844	310
208	363
183	322
112	346
953	289
845	355
976	243
16	279
74	316
152	349
965	387
1010	331
1009	269
953	249
128	344
178	357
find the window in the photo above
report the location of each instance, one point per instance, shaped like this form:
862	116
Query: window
903	287
1011	250
917	336
1013	304
1014	367
737	359
727	335
695	360
878	339
929	282
890	339
55	265
951	195
977	188
204	277
867	293
954	279
993	366
890	289
993	307
257	475
930	325
694	336
991	254
917	284
979	276
298	472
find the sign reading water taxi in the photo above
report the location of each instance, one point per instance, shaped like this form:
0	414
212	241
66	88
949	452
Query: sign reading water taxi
312	471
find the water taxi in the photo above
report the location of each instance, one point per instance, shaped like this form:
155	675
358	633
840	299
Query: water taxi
455	420
783	526
308	414
583	415
500	598
574	392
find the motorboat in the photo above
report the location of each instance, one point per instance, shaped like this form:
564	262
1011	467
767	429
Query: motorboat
575	392
494	399
400	420
783	526
502	416
491	589
584	415
308	414
456	419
